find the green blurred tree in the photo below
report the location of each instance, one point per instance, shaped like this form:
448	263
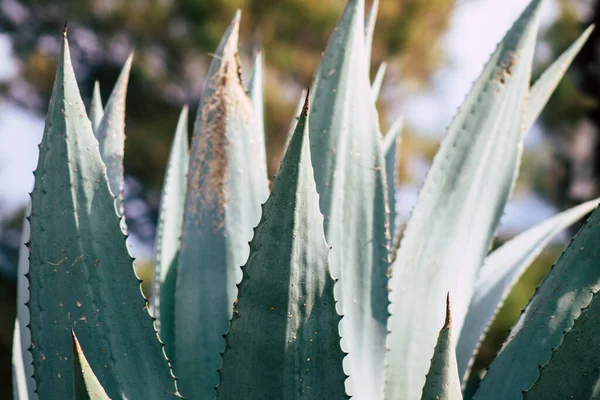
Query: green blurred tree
173	41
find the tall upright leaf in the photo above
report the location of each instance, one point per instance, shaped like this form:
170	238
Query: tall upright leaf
378	81
459	207
573	371
19	373
96	108
349	171
256	92
227	183
168	231
111	134
543	87
21	355
557	303
442	381
284	341
391	141
500	272
370	23
81	274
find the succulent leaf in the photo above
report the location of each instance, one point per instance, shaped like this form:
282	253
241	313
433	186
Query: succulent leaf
501	270
543	87
349	171
85	383
111	134
256	92
459	208
21	356
81	274
20	379
572	371
442	381
227	182
378	81
284	341
390	150
558	301
96	108
170	221
370	23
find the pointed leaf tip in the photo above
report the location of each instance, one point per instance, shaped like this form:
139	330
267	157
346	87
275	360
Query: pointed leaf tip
306	103
65	28
448	321
238	16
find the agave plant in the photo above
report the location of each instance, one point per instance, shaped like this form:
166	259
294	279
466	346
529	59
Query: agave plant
299	292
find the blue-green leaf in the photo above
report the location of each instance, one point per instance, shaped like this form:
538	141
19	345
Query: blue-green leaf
81	274
227	183
459	208
378	81
442	381
19	377
111	135
21	355
256	92
370	23
572	371
96	108
501	270
85	383
557	303
390	149
349	171
284	341
170	225
542	89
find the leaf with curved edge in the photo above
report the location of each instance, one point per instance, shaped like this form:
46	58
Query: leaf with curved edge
459	208
543	87
22	341
96	109
442	381
390	150
170	221
256	92
81	274
227	183
572	371
167	309
111	135
501	270
557	302
284	342
370	23
378	81
85	383
349	171
19	378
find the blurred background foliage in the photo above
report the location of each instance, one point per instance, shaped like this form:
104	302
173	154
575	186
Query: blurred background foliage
173	41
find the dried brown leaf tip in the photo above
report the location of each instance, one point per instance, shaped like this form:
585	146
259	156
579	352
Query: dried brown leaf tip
306	103
448	322
65	28
76	345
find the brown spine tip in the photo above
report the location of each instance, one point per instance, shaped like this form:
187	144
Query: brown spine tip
76	345
448	322
65	28
306	102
